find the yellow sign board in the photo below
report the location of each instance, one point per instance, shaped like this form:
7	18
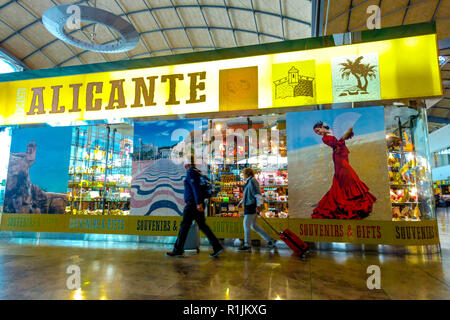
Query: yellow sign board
381	70
400	233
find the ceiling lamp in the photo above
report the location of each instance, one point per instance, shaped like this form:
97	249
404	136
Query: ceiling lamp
59	18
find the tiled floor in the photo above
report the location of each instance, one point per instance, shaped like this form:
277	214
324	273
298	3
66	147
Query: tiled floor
37	270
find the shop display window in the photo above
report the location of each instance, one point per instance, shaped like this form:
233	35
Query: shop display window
5	143
411	189
221	148
442	193
138	168
258	142
441	158
100	170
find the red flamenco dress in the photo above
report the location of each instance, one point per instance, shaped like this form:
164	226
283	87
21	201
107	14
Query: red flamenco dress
349	197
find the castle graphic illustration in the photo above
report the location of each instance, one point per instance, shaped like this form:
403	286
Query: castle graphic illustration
294	85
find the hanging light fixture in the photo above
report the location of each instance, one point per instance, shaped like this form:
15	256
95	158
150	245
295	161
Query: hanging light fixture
59	18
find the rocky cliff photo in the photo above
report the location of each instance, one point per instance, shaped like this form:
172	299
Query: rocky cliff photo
21	195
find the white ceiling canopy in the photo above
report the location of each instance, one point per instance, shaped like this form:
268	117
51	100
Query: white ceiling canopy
164	26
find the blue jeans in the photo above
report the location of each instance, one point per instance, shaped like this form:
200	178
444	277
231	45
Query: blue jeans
250	224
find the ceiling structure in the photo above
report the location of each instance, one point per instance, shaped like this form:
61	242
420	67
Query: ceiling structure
351	15
179	26
165	27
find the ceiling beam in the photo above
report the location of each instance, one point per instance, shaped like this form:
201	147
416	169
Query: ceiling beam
317	17
281	18
183	25
438	119
406	12
202	6
37	18
254	19
145	53
82	31
437	9
350	9
131	22
168	49
444	44
206	25
31	43
19	31
349	17
166	40
6	4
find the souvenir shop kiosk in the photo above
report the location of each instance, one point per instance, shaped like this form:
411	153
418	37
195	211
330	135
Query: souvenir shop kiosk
98	150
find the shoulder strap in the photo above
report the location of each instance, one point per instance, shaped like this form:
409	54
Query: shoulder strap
200	173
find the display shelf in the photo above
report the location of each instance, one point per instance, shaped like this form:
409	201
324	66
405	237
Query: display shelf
403	203
400	151
96	201
405	219
275	186
100	162
241	185
274	201
270	168
228	185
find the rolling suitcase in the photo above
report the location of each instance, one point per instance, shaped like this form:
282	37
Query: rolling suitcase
296	244
193	238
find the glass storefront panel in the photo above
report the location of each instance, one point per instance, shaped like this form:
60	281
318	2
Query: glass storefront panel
100	170
409	164
257	142
138	168
5	143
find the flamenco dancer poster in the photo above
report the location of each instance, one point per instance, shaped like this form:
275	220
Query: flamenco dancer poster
337	161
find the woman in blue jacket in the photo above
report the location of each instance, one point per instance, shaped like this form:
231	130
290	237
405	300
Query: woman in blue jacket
252	201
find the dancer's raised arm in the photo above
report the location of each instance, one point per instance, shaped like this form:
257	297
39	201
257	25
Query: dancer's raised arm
348	134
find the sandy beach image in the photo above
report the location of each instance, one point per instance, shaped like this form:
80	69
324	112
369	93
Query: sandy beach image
311	174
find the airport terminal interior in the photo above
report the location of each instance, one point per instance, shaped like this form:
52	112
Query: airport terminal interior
225	150
36	269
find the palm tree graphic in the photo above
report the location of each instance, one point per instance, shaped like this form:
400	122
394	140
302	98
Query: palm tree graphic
360	71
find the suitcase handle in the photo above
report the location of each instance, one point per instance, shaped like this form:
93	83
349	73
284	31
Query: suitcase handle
277	232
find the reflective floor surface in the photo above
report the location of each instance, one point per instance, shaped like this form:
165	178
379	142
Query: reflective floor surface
32	269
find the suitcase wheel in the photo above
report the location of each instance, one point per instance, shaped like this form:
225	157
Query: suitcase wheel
198	250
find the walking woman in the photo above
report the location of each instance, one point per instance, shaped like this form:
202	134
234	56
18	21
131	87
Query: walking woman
252	207
349	197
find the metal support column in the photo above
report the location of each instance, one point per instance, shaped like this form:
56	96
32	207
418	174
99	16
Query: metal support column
108	130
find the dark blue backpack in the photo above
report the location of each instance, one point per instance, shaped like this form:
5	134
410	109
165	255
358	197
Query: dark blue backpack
206	187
